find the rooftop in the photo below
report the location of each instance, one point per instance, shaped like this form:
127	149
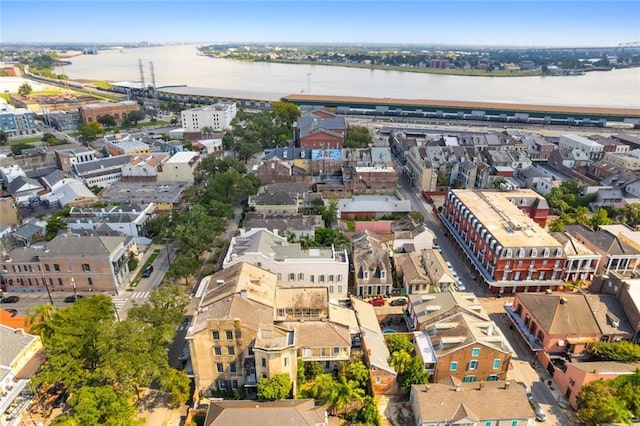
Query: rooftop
509	225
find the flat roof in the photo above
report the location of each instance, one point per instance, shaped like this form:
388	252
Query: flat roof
501	106
509	225
582	140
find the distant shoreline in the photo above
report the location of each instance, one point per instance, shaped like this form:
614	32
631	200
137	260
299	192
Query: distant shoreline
454	72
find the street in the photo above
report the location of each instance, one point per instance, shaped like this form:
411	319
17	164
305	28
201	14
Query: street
522	362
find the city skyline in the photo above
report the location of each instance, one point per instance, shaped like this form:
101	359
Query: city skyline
489	23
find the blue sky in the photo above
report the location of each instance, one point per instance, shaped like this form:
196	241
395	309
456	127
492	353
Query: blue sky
500	22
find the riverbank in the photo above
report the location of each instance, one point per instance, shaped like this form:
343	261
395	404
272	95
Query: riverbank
439	71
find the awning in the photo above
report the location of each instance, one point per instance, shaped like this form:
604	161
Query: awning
577	340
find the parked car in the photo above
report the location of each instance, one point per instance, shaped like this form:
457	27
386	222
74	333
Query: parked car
147	272
72	299
398	302
537	409
11	299
449	265
61	399
377	301
461	286
13	312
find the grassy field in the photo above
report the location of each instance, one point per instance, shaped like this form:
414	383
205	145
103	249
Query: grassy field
32	139
48	92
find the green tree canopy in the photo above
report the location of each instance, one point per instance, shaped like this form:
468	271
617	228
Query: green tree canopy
276	388
89	132
399	342
616	351
357	137
25	89
107	120
285	113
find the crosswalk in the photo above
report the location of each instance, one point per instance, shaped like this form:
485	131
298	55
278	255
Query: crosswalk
140	295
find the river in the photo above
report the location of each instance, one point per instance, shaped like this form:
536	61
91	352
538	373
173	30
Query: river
181	65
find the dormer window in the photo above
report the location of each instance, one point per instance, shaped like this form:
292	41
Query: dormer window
521	252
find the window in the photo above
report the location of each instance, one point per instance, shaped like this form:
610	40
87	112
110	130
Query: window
493	378
229	334
46	267
321	278
89	280
234	384
56	267
330	289
496	363
286	361
216	335
292	277
330	278
475	352
312	278
263	362
231	350
339	289
86	267
250	350
509	253
232	367
545	253
514	423
60	282
469	379
534	252
219	367
488	423
217	350
473	365
339	278
300	277
279	276
521	252
454	366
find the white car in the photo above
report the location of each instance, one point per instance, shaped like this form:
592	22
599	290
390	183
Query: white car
449	265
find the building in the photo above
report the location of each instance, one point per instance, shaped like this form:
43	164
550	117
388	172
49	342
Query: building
275	203
411	235
275	352
166	196
561	326
144	167
299	412
450	402
411	273
67	158
372	265
17	122
118	110
217	117
321	130
20	358
591	148
465	347
102	172
440	276
617	255
124	144
24	189
572	379
376	179
70	191
298	225
232	306
69	262
180	167
426	309
376	353
627	160
293	265
127	219
361	207
582	264
502	236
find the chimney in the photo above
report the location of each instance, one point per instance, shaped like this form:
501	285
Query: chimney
563	300
219	283
458	389
480	386
506	384
243	294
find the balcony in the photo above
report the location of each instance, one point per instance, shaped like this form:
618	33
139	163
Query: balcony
534	344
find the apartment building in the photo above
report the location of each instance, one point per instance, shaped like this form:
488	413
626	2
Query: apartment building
67	158
180	167
501	235
69	262
293	265
591	148
372	265
217	117
124	144
17	122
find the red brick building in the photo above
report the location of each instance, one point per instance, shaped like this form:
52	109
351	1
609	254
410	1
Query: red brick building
501	236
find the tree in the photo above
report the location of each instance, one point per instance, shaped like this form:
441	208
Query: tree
345	392
18	147
99	405
400	361
39	320
207	131
616	351
54	225
398	342
3	137
369	412
276	388
227	141
183	267
417	216
89	132
285	113
357	137
107	120
359	373
328	212
597	403
196	230
25	89
313	369
414	374
135	117
300	377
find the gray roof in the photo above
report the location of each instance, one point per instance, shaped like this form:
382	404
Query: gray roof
373	203
144	192
28	231
606	242
309	124
283	223
273	199
16	185
54	177
299	412
284	153
102	163
561	314
13	343
39	172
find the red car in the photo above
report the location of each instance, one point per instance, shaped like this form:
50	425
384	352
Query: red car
377	301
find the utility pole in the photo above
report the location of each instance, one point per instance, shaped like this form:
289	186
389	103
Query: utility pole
46	286
142	83
153	84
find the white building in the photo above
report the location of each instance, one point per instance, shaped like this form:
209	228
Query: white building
593	149
217	116
180	167
144	167
294	266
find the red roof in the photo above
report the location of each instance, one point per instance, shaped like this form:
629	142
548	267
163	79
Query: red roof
375	226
